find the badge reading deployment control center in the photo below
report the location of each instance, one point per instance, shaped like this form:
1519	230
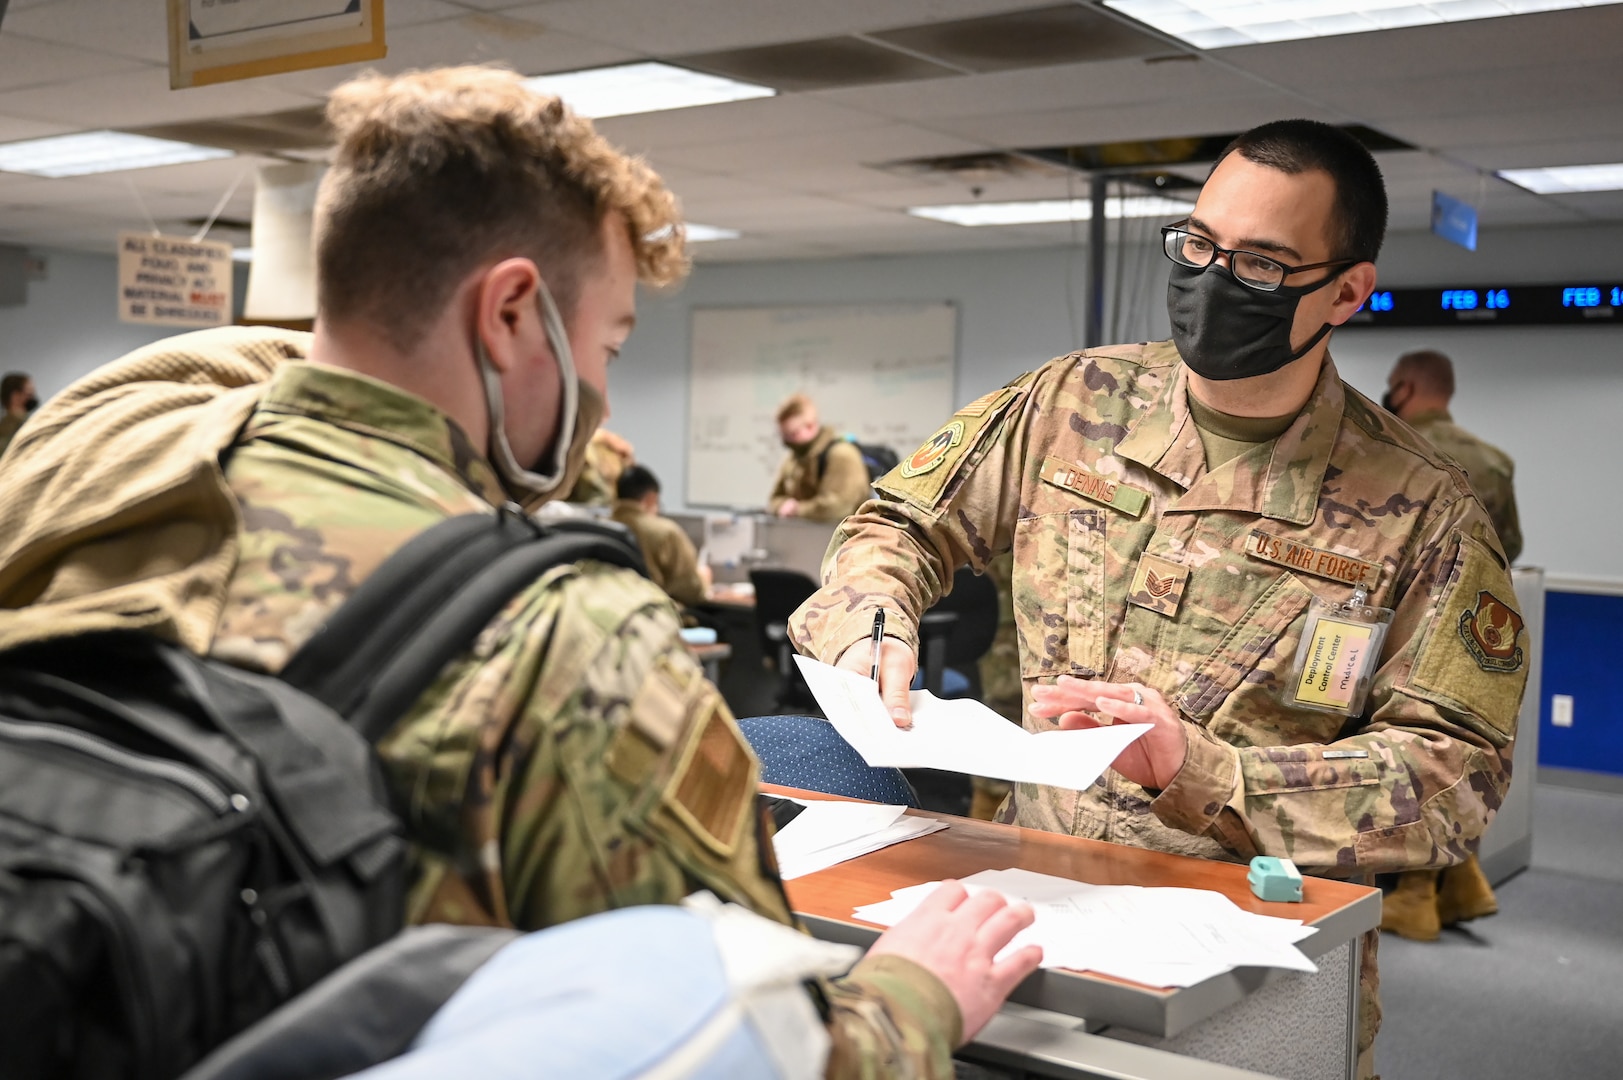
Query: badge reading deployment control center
1339	653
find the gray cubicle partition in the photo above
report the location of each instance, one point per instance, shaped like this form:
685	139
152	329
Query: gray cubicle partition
1507	847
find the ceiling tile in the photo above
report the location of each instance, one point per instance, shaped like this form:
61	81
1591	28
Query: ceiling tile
139	30
788	151
469	38
15	129
28	62
736	121
136	98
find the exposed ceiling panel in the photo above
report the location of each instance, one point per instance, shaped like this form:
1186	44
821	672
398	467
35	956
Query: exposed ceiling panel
1061	34
817	65
663	28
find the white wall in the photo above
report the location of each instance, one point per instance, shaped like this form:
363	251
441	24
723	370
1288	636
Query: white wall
1551	397
69	326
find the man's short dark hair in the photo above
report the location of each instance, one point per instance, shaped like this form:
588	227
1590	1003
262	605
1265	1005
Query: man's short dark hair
1295	146
1429	370
14	383
636	482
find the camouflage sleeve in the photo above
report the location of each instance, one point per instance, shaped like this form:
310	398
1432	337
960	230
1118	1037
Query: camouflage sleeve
679	567
780	486
578	761
953	501
841	489
891	1018
1414	782
1506	520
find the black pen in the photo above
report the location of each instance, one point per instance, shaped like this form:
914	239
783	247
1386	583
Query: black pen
878	636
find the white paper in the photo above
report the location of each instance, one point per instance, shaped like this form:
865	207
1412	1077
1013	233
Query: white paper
1154	936
826	833
961	735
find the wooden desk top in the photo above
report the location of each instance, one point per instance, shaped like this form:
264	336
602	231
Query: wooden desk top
716	650
825	901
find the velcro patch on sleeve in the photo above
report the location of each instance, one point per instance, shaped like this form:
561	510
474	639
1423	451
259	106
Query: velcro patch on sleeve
1474	658
712	789
925	475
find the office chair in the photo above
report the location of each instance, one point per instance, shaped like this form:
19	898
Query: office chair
954	635
806	752
974	600
777	594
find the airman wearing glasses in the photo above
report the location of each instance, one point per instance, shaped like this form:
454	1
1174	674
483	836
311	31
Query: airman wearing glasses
1218	537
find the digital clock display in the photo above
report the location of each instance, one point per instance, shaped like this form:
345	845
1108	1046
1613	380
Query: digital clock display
1587	304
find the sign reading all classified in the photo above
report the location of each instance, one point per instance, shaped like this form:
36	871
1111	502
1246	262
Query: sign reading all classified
173	281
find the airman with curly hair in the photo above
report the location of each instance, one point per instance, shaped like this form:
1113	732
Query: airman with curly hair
479	249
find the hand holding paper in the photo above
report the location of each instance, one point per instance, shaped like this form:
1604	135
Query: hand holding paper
960	735
1151	762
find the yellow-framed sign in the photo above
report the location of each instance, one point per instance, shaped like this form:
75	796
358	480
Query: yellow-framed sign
215	41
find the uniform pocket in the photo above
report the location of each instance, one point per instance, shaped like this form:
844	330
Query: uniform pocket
1256	652
1286	770
1059	590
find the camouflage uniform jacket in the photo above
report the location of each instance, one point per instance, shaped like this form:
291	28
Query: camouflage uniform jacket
673	565
827	478
1091	470
1490	470
575	761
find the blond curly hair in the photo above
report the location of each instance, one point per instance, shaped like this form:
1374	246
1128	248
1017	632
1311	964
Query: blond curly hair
439	172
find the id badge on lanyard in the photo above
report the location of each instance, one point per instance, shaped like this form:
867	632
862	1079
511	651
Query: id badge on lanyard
1340	650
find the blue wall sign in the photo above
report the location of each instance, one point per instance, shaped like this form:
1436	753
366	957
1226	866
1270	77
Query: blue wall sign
1453	220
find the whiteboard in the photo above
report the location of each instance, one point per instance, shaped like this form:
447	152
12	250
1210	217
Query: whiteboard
883	373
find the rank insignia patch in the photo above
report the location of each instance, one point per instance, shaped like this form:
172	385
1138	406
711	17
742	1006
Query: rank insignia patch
1490	632
1158	585
934	451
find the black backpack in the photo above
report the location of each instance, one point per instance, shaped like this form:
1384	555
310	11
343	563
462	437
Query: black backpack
185	845
878	459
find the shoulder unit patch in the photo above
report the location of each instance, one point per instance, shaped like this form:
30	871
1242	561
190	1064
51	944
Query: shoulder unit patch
1490	632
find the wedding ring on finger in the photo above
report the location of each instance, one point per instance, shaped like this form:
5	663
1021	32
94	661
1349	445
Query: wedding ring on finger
1138	698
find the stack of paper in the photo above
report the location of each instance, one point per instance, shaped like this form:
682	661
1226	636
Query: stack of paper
1158	937
827	832
960	735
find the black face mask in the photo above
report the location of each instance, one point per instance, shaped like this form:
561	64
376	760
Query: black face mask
1224	330
1386	401
31	404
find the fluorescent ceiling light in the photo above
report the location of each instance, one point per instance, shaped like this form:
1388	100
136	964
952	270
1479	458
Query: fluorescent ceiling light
642	88
703	234
1048	210
98	152
1215	24
1566	179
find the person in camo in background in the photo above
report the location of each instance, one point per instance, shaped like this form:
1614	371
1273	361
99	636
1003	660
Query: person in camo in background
17	400
672	562
607	456
823	477
1178	513
478	252
1418	392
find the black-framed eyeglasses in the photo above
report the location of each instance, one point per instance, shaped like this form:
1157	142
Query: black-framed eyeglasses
1250	269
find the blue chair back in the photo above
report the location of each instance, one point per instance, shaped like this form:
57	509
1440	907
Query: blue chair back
806	752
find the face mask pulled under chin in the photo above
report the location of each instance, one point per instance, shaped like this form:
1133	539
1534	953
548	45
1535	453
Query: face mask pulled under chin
1224	330
581	410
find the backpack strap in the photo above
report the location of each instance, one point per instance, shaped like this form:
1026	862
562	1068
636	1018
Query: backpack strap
428	603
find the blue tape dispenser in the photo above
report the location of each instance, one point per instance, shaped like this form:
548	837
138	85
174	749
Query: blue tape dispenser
1275	879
